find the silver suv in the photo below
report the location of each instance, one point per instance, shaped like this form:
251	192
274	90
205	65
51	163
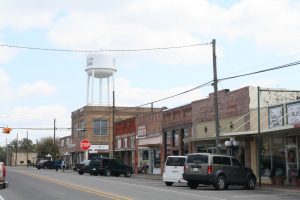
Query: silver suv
217	170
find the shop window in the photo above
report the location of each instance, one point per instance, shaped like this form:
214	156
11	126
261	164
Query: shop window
278	154
168	138
266	163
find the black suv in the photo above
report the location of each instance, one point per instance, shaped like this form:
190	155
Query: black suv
109	166
217	170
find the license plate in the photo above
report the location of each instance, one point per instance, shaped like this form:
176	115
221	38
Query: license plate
195	169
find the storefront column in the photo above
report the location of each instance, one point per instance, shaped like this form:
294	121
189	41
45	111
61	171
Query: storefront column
254	155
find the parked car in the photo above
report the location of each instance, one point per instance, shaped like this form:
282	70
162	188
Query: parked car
3	182
45	164
109	166
83	167
217	170
174	168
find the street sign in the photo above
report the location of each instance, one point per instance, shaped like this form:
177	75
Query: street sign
85	145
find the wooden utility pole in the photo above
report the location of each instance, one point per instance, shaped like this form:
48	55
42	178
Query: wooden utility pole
216	97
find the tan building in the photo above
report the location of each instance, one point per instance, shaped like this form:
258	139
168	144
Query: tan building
238	114
95	123
20	159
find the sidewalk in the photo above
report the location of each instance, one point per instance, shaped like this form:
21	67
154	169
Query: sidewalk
283	188
148	176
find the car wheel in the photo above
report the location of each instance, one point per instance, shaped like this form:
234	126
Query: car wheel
128	173
107	172
221	183
80	172
169	183
251	182
192	184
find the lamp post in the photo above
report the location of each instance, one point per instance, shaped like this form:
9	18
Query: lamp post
232	145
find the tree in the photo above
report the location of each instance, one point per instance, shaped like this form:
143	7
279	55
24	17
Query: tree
46	146
26	145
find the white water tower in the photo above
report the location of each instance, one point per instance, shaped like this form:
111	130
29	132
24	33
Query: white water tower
99	67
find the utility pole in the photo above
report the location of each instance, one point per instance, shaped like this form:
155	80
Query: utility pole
27	144
216	97
16	150
6	153
113	125
54	129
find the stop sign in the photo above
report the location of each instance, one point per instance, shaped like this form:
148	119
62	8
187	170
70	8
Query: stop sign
85	145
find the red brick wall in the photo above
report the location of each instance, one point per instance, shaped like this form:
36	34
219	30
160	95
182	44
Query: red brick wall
231	104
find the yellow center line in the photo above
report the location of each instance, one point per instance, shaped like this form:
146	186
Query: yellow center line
77	187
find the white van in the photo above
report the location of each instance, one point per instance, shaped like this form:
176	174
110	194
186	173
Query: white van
174	168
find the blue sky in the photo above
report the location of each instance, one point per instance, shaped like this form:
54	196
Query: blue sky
38	86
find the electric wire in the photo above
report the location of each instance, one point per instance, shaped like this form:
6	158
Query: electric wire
103	50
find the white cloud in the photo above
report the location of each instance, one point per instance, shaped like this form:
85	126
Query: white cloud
5	87
40	117
127	95
39	87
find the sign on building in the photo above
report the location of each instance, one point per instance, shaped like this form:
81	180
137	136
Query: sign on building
141	131
276	116
293	115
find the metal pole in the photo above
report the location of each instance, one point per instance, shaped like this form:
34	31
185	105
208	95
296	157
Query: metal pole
16	150
54	133
113	125
6	153
27	143
216	97
259	137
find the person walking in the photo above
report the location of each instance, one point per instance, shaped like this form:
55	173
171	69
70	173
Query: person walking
63	165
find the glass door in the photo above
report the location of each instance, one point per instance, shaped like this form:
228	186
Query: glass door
291	159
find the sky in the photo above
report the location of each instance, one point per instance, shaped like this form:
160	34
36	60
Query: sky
38	86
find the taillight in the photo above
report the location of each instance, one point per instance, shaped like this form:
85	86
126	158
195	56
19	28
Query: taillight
209	169
185	168
3	170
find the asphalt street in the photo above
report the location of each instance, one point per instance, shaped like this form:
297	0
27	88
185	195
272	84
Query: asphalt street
33	184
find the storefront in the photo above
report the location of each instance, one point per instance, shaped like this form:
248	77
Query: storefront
280	158
150	155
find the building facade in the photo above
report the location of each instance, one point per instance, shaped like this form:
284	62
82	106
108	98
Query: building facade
177	129
125	141
95	123
149	142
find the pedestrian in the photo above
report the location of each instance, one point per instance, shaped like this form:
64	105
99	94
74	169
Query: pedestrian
63	165
56	165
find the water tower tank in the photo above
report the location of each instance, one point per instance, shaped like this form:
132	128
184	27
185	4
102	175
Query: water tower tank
102	65
99	67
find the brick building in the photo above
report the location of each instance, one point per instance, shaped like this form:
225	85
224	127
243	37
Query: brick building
95	123
149	141
125	141
177	127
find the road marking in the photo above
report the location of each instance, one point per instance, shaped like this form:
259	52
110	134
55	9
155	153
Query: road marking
1	198
77	187
258	195
165	190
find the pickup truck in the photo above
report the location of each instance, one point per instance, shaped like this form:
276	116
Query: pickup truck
3	182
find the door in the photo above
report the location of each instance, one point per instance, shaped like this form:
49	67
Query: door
291	162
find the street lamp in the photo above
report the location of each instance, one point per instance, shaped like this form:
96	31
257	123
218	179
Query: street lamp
232	145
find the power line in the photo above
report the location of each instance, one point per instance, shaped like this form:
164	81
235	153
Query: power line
261	71
102	50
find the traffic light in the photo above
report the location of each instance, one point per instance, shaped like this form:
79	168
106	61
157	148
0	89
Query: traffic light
6	130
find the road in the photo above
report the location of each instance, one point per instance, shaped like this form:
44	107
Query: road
33	184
